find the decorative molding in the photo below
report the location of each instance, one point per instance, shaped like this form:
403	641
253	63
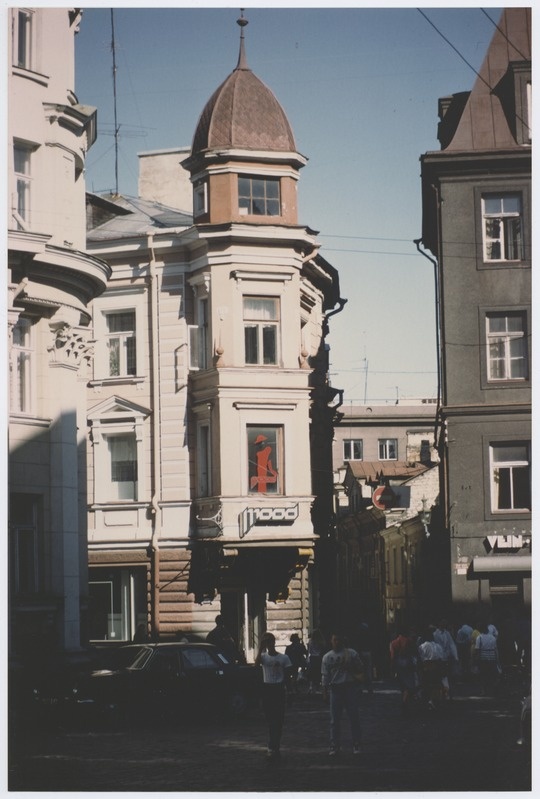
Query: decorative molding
70	347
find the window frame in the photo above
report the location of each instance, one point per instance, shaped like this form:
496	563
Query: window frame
198	337
22	198
503	217
130	486
350	444
26	351
250	198
506	337
508	464
33	502
200	197
119	301
385	443
27	59
275	435
204	460
124	338
252	322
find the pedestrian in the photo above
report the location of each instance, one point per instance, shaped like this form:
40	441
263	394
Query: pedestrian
316	648
275	667
338	668
487	658
443	637
404	660
223	640
297	654
365	649
431	669
463	644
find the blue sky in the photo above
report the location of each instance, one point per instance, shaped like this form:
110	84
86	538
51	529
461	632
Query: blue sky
360	87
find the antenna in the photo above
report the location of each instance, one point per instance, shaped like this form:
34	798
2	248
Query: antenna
113	48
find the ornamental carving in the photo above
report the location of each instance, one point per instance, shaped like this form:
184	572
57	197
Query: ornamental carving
70	347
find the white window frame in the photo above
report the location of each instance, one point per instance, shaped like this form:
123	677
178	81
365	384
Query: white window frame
109	420
120	301
349	445
123	337
22	365
504	339
259	325
505	220
384	449
23	40
200	197
511	465
198	337
22	199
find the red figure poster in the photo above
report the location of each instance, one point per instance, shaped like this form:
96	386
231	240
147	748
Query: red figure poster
263	460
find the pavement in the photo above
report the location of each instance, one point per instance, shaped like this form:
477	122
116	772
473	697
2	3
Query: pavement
470	745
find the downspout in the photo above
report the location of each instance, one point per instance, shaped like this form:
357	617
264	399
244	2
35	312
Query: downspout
153	548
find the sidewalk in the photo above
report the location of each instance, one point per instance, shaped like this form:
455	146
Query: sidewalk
470	746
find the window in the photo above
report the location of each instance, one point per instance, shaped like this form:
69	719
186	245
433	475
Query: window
502	224
24	527
258	196
261	319
507	346
203	461
352	449
265	456
387	449
117	605
510	476
22	167
121	343
198	338
123	464
21	367
200	202
22	38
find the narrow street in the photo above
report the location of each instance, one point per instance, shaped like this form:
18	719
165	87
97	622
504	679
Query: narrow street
470	746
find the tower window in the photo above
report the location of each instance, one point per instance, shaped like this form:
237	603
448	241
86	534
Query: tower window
258	196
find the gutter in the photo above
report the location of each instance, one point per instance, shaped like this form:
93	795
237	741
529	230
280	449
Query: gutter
153	548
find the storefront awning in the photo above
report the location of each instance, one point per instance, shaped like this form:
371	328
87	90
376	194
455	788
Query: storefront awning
503	563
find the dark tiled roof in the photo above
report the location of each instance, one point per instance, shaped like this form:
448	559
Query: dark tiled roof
243	113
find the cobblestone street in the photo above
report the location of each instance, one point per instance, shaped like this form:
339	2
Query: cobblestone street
470	746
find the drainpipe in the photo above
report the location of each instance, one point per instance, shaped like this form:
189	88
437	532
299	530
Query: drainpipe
153	548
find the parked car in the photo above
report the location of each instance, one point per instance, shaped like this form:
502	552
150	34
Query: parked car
166	680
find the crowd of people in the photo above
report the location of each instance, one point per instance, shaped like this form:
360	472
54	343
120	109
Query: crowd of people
426	665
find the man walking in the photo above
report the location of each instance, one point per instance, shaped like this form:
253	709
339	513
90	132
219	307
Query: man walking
338	668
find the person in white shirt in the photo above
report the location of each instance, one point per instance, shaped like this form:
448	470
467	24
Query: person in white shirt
337	670
275	667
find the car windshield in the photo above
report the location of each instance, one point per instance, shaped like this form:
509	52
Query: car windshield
124	657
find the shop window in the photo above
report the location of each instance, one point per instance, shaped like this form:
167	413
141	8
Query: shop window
507	346
117	603
265	458
510	476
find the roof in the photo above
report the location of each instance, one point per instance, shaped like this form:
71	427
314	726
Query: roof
483	124
243	113
373	471
130	216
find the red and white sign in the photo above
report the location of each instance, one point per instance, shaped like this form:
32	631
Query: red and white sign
383	497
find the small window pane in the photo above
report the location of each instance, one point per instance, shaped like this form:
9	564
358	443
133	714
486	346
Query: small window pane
250	337
505	453
511	204
269	344
492	205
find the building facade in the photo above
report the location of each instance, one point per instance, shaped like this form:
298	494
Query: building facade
477	224
51	281
209	408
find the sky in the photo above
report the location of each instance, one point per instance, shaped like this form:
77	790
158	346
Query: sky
360	87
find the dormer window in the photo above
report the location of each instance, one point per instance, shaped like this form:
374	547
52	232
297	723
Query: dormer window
258	196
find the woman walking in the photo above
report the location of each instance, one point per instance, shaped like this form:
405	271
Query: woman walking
274	695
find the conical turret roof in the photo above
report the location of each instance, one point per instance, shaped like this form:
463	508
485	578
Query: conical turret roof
243	113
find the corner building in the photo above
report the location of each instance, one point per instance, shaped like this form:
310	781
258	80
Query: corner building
477	222
205	440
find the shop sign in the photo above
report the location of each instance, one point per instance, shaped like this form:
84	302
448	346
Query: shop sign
498	543
277	515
